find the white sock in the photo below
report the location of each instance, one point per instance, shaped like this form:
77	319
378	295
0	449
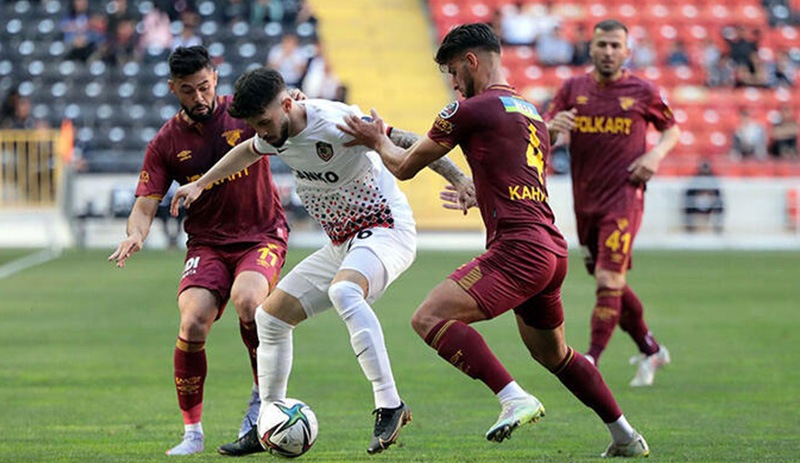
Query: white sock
194	427
621	431
274	353
366	338
510	392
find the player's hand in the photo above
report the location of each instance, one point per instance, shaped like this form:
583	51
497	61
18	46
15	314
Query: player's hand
563	121
297	95
459	198
128	247
644	167
364	130
188	193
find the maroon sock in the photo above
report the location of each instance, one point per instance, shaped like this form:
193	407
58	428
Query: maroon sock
604	320
631	321
465	349
586	383
190	375
250	338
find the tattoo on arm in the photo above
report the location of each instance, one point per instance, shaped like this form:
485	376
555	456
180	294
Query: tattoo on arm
447	169
442	166
403	138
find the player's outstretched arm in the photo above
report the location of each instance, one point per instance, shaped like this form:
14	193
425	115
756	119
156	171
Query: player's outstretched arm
237	159
442	166
139	222
402	163
645	166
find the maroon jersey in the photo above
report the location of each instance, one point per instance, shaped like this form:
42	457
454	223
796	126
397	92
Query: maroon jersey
609	134
507	147
243	208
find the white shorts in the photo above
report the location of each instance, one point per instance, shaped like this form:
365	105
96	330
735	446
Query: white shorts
380	254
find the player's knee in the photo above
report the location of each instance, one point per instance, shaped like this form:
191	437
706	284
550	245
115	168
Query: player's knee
246	304
195	326
345	295
423	321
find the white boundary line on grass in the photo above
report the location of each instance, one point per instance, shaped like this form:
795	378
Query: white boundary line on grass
31	260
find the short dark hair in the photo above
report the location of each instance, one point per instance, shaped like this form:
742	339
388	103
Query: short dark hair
464	37
185	61
608	25
254	91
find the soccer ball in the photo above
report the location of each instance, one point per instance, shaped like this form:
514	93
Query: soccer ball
287	427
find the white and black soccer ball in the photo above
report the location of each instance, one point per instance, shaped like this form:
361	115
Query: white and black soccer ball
287	427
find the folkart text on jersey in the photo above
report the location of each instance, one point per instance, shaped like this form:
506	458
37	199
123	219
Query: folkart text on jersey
603	124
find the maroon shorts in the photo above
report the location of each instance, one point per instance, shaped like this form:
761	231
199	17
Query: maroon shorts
607	239
516	275
215	267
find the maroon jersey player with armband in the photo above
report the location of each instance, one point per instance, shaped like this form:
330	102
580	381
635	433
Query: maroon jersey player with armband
506	144
605	113
237	232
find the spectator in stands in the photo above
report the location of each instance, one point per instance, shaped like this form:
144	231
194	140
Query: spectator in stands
156	36
518	24
288	58
743	49
721	73
753	75
187	37
750	138
677	54
16	113
82	31
234	11
643	53
782	71
553	49
703	204
122	46
784	135
118	11
581	43
320	81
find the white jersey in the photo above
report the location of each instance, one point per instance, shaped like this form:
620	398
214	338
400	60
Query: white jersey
344	189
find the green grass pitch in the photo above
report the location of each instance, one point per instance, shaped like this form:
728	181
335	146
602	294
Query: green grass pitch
86	367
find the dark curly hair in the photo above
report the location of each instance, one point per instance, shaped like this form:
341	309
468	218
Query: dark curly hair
254	91
465	37
185	61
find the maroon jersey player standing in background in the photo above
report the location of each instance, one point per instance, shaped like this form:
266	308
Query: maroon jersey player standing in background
506	143
605	112
237	232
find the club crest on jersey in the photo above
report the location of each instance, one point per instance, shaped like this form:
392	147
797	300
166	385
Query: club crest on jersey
626	102
449	110
232	136
324	151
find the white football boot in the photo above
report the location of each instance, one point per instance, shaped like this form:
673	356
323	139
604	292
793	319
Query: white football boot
647	366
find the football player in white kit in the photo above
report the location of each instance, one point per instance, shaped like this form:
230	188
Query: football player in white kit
358	204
